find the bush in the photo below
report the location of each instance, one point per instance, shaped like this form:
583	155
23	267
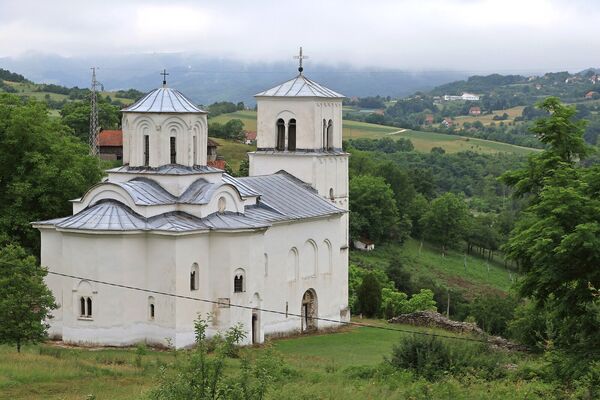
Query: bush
431	358
426	356
493	313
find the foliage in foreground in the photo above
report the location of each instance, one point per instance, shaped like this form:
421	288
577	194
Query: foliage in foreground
557	240
25	300
201	376
42	167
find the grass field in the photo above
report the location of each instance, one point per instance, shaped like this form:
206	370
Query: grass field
450	271
423	141
488	118
29	90
233	152
322	366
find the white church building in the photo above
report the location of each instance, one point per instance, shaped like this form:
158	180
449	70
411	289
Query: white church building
168	223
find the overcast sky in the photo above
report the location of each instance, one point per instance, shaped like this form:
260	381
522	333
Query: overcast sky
474	35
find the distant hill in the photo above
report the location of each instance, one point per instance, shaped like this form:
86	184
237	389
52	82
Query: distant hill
207	80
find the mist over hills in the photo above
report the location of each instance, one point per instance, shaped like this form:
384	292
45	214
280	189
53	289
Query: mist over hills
207	80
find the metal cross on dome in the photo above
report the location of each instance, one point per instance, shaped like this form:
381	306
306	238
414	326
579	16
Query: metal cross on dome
300	57
164	73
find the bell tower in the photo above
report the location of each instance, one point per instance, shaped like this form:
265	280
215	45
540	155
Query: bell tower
299	130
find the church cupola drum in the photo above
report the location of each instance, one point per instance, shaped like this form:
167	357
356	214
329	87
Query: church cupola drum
164	127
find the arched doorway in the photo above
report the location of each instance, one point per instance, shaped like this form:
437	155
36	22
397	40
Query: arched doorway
309	311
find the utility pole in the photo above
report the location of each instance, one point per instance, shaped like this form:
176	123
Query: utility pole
94	128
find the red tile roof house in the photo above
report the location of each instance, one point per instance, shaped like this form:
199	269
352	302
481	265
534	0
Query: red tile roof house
250	137
110	144
475	111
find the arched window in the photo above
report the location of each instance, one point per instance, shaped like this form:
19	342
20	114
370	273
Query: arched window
173	150
331	195
194	277
330	135
146	150
238	281
151	307
89	307
292	135
324	135
82	306
280	134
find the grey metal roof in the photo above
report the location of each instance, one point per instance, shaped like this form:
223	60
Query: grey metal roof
289	196
171	169
111	215
164	100
282	197
146	192
300	86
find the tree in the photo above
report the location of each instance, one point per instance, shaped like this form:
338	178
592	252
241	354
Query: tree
25	300
76	115
42	167
556	242
373	212
401	278
445	221
369	295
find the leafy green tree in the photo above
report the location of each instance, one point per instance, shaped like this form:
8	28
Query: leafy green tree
556	242
42	167
397	274
493	313
244	169
76	115
369	295
373	211
446	220
393	302
25	300
234	129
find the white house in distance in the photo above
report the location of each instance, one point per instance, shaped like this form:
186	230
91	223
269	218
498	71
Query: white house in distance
167	222
465	96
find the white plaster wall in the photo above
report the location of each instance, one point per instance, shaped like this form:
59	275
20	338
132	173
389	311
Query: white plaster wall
160	127
323	171
309	113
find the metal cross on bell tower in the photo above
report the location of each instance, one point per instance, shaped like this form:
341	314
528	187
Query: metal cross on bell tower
164	73
300	57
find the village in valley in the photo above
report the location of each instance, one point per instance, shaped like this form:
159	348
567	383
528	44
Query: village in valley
183	216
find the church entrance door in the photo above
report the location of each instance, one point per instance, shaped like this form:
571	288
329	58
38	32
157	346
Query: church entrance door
309	311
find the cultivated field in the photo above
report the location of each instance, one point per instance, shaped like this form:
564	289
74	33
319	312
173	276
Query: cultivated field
488	118
423	141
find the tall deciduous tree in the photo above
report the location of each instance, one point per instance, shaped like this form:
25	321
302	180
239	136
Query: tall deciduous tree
446	220
373	212
25	301
42	167
556	242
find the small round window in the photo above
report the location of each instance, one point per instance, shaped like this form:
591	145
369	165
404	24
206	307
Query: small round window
222	204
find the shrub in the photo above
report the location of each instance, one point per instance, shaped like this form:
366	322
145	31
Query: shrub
493	313
427	356
431	358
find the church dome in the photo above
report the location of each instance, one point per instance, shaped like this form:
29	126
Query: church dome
164	100
300	86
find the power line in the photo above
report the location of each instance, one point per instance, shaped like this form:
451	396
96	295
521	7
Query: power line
228	304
